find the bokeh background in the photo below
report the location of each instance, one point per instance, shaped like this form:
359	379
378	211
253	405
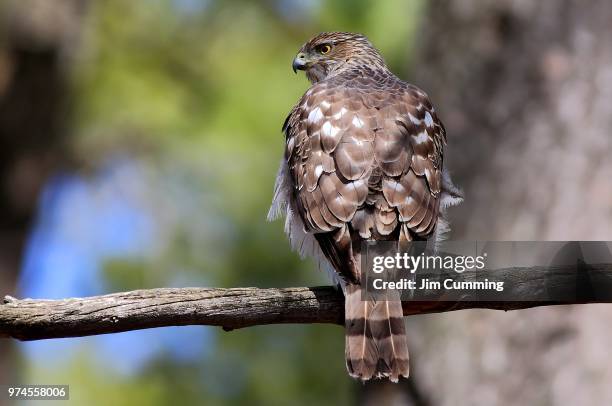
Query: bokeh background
138	147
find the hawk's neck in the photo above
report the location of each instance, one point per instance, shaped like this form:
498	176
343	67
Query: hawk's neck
364	75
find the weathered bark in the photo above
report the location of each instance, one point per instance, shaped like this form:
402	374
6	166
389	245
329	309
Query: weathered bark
525	91
36	319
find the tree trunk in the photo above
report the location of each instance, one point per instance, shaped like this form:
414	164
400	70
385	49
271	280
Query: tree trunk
35	38
525	91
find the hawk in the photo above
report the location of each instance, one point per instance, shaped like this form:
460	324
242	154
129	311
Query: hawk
363	161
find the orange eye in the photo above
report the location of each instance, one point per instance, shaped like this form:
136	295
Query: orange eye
324	49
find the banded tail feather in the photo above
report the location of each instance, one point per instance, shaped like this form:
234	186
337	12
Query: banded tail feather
376	344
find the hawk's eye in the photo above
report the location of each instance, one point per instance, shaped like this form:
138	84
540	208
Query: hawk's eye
324	49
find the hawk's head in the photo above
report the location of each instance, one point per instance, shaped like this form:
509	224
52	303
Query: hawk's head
331	52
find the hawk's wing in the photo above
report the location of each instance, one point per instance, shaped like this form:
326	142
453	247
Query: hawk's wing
365	162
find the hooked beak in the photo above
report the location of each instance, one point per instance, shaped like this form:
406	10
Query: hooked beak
299	62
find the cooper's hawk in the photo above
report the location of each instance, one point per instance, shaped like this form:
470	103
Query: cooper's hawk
363	161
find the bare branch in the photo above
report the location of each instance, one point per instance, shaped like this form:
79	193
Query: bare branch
29	319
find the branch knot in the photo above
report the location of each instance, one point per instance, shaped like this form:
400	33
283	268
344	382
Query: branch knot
8	299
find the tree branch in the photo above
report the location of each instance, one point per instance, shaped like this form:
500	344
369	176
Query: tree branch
30	319
34	319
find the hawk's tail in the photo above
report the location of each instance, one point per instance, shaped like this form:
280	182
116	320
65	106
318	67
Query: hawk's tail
376	344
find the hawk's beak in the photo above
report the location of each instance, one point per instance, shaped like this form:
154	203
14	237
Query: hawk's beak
299	62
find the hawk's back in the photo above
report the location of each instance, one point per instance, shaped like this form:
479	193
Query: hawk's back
365	151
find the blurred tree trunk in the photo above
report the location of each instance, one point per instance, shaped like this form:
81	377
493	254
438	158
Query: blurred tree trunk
525	90
35	38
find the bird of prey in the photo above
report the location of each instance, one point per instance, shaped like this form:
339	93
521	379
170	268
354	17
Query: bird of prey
363	161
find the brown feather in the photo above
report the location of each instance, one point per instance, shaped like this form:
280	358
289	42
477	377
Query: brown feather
364	152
